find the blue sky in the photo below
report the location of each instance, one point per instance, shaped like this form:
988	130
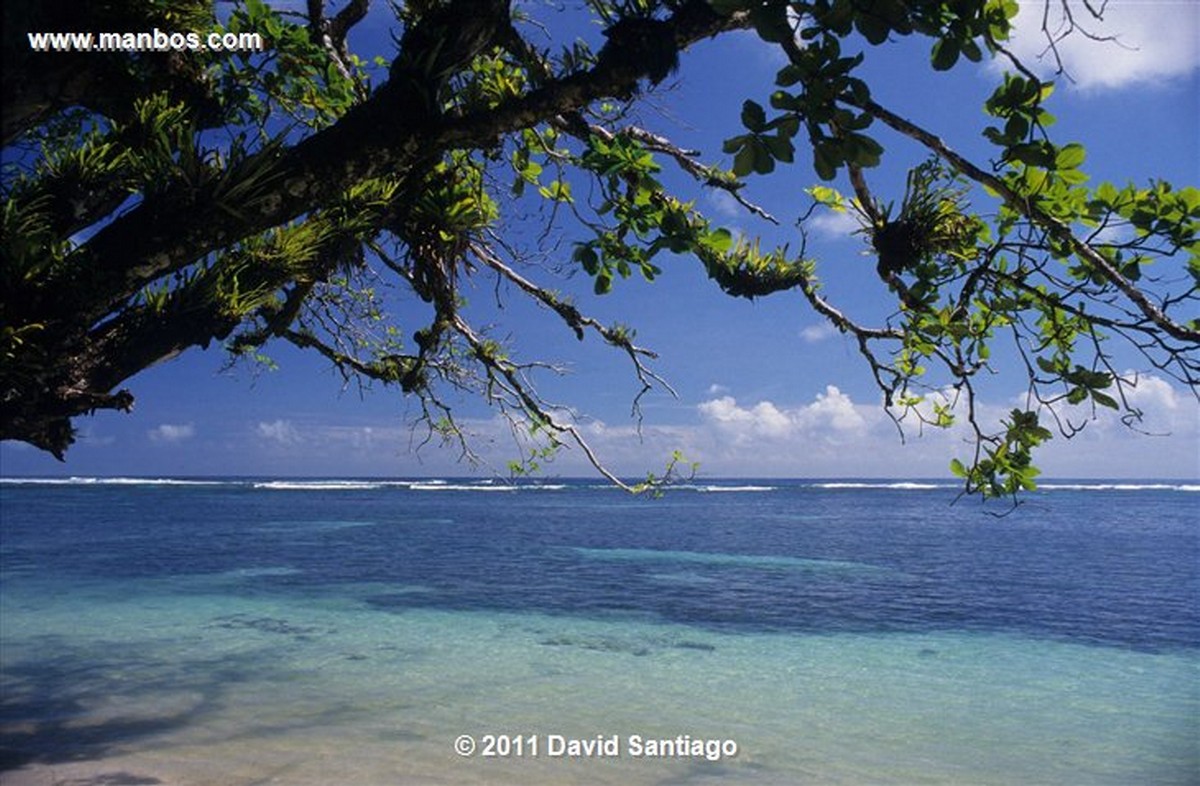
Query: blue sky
764	387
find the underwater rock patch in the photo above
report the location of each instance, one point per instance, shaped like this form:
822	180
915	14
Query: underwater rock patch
273	625
598	644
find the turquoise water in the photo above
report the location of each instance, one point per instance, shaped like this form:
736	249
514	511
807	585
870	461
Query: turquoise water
237	633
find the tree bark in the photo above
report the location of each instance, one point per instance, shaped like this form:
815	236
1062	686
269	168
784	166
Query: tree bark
99	340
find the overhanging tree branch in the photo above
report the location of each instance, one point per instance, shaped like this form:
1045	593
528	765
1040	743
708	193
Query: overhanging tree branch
1028	207
141	232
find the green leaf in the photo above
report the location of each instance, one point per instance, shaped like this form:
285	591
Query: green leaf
557	190
789	75
743	162
753	116
863	150
945	54
1107	193
1049	366
781	149
719	240
1190	196
872	27
1073	177
828	196
783	100
764	162
586	256
1032	153
770	22
786	125
1016	128
825	161
1070	156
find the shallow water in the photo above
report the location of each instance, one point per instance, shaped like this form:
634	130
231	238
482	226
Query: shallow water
350	633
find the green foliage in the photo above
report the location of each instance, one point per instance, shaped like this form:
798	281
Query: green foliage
295	79
648	221
678	470
136	232
1007	464
492	80
31	246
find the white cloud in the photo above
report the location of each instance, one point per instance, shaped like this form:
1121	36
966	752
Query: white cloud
1164	444
724	205
1165	410
170	432
833	224
1157	395
1154	40
764	419
815	334
368	438
832	410
278	431
831	416
832	435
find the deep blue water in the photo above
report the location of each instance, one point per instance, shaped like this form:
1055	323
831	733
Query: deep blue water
1086	563
236	632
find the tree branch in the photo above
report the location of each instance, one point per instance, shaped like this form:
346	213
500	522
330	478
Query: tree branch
380	136
1028	208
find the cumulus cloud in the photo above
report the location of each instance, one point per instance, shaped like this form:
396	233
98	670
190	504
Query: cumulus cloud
832	410
833	224
832	435
814	334
1161	445
1151	41
367	438
170	432
278	431
827	434
764	419
724	205
1157	394
1165	410
830	416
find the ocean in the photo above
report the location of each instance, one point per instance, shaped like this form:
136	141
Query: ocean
229	632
